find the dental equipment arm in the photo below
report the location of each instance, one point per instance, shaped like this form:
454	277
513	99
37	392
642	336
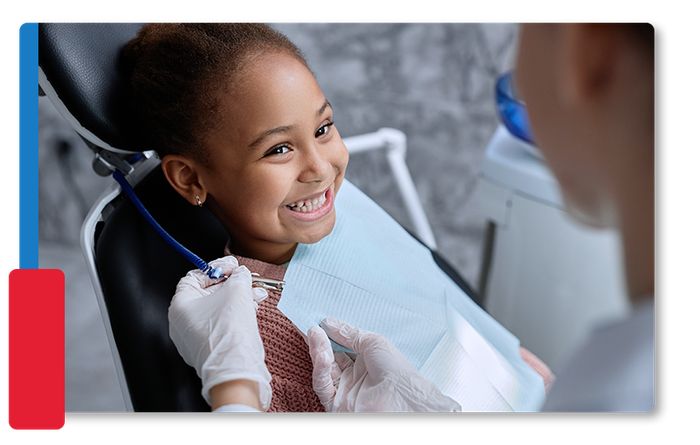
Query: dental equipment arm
214	327
378	379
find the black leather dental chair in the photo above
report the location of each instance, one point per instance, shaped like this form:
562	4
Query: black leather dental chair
134	271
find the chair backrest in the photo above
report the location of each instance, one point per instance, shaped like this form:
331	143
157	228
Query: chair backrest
137	270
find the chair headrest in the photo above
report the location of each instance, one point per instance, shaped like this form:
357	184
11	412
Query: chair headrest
80	61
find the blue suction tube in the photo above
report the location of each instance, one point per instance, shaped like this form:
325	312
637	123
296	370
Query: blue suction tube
200	263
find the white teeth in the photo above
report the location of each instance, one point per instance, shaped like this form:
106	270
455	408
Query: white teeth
308	206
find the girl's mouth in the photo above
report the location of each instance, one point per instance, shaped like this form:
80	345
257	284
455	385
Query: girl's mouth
312	208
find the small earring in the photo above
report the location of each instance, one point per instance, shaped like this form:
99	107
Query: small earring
199	203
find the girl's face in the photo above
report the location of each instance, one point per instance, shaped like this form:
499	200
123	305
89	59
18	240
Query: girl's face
278	161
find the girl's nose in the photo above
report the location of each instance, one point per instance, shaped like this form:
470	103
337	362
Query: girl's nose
316	165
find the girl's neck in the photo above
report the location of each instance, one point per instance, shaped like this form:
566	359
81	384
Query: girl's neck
274	254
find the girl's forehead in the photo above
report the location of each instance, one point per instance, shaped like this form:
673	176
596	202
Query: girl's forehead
271	80
268	65
275	90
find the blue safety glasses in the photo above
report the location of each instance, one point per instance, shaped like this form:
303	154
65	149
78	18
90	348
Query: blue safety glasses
511	109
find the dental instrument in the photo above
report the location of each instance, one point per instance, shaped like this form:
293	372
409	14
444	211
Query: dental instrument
266	283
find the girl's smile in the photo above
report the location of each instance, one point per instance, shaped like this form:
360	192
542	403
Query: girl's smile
312	207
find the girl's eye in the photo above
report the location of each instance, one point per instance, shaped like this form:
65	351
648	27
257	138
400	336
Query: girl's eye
282	149
324	130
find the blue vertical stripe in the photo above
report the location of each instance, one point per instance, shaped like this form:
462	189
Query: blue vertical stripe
29	146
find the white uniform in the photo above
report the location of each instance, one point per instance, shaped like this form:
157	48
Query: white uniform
613	371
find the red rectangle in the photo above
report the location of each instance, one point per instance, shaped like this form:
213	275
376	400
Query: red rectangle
37	345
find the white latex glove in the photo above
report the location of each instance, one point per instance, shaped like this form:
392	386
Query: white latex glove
380	378
215	330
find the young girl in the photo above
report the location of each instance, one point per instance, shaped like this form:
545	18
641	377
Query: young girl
242	127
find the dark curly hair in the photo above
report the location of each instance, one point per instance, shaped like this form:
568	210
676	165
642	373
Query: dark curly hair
177	73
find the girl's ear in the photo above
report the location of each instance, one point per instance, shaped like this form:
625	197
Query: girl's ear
182	174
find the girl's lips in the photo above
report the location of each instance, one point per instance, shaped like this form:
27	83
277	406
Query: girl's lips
318	213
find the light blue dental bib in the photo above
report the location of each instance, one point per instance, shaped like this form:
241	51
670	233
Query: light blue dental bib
373	274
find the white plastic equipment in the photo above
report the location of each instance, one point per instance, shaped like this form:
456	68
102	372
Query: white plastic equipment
545	277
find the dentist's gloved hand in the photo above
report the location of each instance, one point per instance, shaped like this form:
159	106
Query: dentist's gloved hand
214	327
380	378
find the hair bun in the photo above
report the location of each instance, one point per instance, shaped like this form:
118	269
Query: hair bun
137	47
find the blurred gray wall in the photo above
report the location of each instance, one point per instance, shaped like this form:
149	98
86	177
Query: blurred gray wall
432	81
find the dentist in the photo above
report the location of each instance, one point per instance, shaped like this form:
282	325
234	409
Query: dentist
589	90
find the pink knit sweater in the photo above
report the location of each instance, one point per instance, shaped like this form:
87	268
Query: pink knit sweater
287	355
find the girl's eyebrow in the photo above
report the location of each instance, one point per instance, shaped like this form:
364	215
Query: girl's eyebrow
284	128
323	108
266	134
